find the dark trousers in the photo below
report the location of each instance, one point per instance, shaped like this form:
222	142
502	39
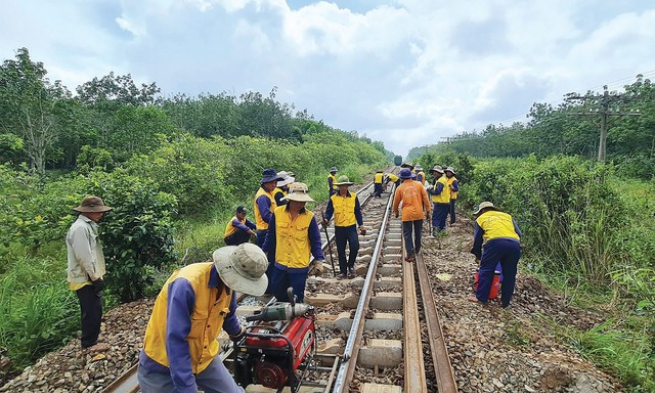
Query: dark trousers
283	279
91	305
412	247
439	215
238	237
452	210
261	236
378	190
343	235
508	253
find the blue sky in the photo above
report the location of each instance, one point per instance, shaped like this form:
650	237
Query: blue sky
406	72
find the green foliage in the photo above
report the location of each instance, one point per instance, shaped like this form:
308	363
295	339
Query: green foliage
138	130
91	157
138	233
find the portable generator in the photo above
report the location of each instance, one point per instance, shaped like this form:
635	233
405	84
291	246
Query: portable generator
277	347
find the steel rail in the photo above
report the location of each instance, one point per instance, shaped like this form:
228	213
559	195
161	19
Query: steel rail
415	378
443	369
349	362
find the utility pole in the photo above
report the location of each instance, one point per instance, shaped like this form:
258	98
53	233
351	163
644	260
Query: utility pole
607	105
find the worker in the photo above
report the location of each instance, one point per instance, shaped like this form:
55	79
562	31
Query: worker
264	205
293	237
416	206
420	175
453	185
440	196
377	183
332	178
282	187
239	229
345	207
497	238
194	305
393	179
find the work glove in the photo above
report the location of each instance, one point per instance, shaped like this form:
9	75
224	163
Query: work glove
238	336
98	285
317	268
362	230
325	223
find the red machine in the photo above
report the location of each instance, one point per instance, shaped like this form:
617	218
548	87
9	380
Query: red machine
276	350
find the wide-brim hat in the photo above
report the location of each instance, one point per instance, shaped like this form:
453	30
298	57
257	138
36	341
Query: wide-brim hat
450	169
406	165
343	181
242	268
436	168
286	180
334	169
270	175
298	192
418	167
484	205
92	204
405	173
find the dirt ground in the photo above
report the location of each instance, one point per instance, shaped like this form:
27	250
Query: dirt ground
507	350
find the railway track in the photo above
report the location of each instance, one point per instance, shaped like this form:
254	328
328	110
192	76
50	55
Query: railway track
369	329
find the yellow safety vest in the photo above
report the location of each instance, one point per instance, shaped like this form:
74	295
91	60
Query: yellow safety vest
444	197
344	210
453	194
279	191
496	225
292	247
420	175
393	178
206	319
230	229
334	181
259	221
378	178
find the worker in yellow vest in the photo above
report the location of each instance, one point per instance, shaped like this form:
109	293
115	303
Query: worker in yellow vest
377	183
420	175
453	185
264	205
194	305
345	207
293	237
440	197
332	178
497	238
282	187
239	229
391	178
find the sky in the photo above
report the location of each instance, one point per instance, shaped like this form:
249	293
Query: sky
406	72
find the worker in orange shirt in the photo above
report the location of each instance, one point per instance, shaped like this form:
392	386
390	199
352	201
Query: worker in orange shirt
416	207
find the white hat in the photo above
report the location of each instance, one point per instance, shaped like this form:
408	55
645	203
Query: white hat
242	268
484	205
298	192
286	179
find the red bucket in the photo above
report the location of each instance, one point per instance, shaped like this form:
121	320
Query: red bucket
495	285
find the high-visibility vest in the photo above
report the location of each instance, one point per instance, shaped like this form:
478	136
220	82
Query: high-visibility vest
334	181
496	224
420	177
344	209
378	178
230	229
277	191
453	194
393	178
259	221
444	197
292	247
206	319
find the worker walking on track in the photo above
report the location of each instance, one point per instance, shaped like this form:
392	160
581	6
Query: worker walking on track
332	178
497	238
264	205
345	207
377	183
86	269
440	196
195	304
416	207
293	236
453	185
239	230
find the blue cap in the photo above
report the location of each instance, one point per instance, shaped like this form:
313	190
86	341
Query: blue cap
405	173
270	175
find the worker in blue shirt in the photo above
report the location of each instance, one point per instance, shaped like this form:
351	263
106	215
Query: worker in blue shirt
239	229
198	301
497	238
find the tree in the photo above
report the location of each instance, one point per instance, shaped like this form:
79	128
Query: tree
113	91
27	106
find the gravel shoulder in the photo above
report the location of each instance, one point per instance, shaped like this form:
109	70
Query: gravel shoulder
507	350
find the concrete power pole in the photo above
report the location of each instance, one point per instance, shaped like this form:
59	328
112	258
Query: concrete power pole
607	105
